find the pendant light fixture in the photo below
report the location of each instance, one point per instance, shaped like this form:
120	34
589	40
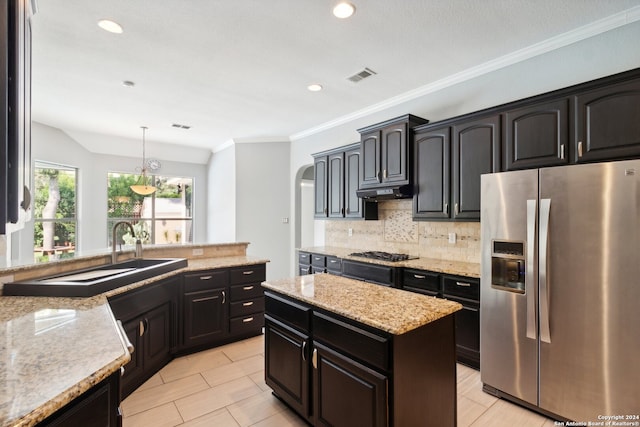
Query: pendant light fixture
142	186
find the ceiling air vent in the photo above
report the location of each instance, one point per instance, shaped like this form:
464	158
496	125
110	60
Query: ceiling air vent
179	126
361	75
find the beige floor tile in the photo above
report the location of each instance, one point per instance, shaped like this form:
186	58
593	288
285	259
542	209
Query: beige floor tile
235	370
255	408
154	381
219	418
281	419
468	411
140	401
505	414
471	387
215	398
166	415
463	372
189	365
258	378
246	348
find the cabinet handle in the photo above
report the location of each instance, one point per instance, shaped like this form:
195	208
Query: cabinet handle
304	351
247	304
325	211
457	211
205	277
580	149
348	211
446	208
317	258
562	151
141	328
122	371
127	342
314	358
248	272
204	299
247	288
247	320
224	297
333	261
463	284
342	211
385	174
419	276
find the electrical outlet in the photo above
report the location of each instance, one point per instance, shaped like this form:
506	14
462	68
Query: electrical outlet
350	232
452	237
285	220
197	251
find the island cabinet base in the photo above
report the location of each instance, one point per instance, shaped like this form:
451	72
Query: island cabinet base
335	371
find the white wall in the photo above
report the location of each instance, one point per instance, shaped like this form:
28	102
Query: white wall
221	196
262	201
605	54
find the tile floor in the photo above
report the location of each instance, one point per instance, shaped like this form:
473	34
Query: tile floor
224	387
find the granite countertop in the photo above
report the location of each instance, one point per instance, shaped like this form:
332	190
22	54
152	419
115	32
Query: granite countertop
388	309
54	349
459	268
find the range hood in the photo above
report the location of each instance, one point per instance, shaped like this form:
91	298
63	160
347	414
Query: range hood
386	193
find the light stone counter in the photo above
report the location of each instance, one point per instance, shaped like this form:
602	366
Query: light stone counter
54	349
388	309
458	268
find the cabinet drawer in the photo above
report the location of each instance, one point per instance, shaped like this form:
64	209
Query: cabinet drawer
380	274
358	343
207	280
247	291
244	324
464	287
304	270
334	264
423	280
133	303
304	258
244	308
290	313
248	274
318	260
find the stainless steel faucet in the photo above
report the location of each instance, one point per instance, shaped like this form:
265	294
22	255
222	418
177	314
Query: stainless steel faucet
114	255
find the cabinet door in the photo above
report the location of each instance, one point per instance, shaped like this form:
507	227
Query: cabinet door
537	135
432	159
370	160
320	186
287	365
394	154
608	124
335	186
205	317
476	150
133	370
352	203
157	337
336	376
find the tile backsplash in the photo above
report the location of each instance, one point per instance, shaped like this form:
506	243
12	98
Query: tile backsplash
395	231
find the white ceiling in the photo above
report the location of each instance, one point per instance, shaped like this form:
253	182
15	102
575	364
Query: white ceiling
238	69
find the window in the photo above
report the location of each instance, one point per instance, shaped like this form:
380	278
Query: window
165	217
55	218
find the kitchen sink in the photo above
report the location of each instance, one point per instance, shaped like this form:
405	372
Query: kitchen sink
96	280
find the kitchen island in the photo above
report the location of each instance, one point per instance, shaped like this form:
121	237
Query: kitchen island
344	352
58	353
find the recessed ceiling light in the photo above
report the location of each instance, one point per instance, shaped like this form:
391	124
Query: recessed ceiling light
314	87
128	83
111	26
344	10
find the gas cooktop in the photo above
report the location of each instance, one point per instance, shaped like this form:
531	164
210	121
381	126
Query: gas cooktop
383	256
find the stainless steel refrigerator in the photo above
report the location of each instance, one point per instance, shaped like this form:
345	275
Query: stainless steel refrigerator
560	289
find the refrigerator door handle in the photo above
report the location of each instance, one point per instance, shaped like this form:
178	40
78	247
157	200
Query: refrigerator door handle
545	209
530	273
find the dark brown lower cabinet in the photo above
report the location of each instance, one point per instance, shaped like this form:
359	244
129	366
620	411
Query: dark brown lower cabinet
335	371
99	406
342	384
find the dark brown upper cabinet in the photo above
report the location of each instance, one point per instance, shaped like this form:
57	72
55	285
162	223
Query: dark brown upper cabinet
320	169
537	135
385	148
608	122
432	165
476	150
